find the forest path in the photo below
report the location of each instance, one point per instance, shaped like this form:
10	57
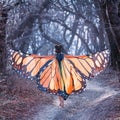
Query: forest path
77	107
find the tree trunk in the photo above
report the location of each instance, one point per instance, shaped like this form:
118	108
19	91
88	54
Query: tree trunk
3	19
112	24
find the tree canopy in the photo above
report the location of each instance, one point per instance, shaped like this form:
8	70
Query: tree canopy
82	27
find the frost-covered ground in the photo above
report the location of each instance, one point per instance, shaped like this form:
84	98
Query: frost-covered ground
100	101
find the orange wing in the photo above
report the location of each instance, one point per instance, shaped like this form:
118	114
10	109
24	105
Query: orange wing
28	65
60	75
60	78
89	65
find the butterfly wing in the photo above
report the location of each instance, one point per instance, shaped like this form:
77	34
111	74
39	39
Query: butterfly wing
89	65
48	78
60	77
73	81
28	65
45	69
101	60
76	69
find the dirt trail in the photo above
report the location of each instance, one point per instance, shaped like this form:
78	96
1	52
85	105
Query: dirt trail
77	107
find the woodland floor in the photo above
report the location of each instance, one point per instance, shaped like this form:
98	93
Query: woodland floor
21	100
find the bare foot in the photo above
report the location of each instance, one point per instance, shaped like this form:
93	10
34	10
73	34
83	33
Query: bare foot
61	101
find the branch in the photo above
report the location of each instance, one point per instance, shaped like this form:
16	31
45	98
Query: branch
80	15
64	34
51	39
68	28
28	21
74	29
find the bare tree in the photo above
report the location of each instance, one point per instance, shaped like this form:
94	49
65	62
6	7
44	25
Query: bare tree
3	18
110	12
36	26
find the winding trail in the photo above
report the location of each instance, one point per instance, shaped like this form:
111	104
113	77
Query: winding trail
77	107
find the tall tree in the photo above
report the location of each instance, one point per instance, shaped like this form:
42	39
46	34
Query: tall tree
3	20
111	14
36	26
